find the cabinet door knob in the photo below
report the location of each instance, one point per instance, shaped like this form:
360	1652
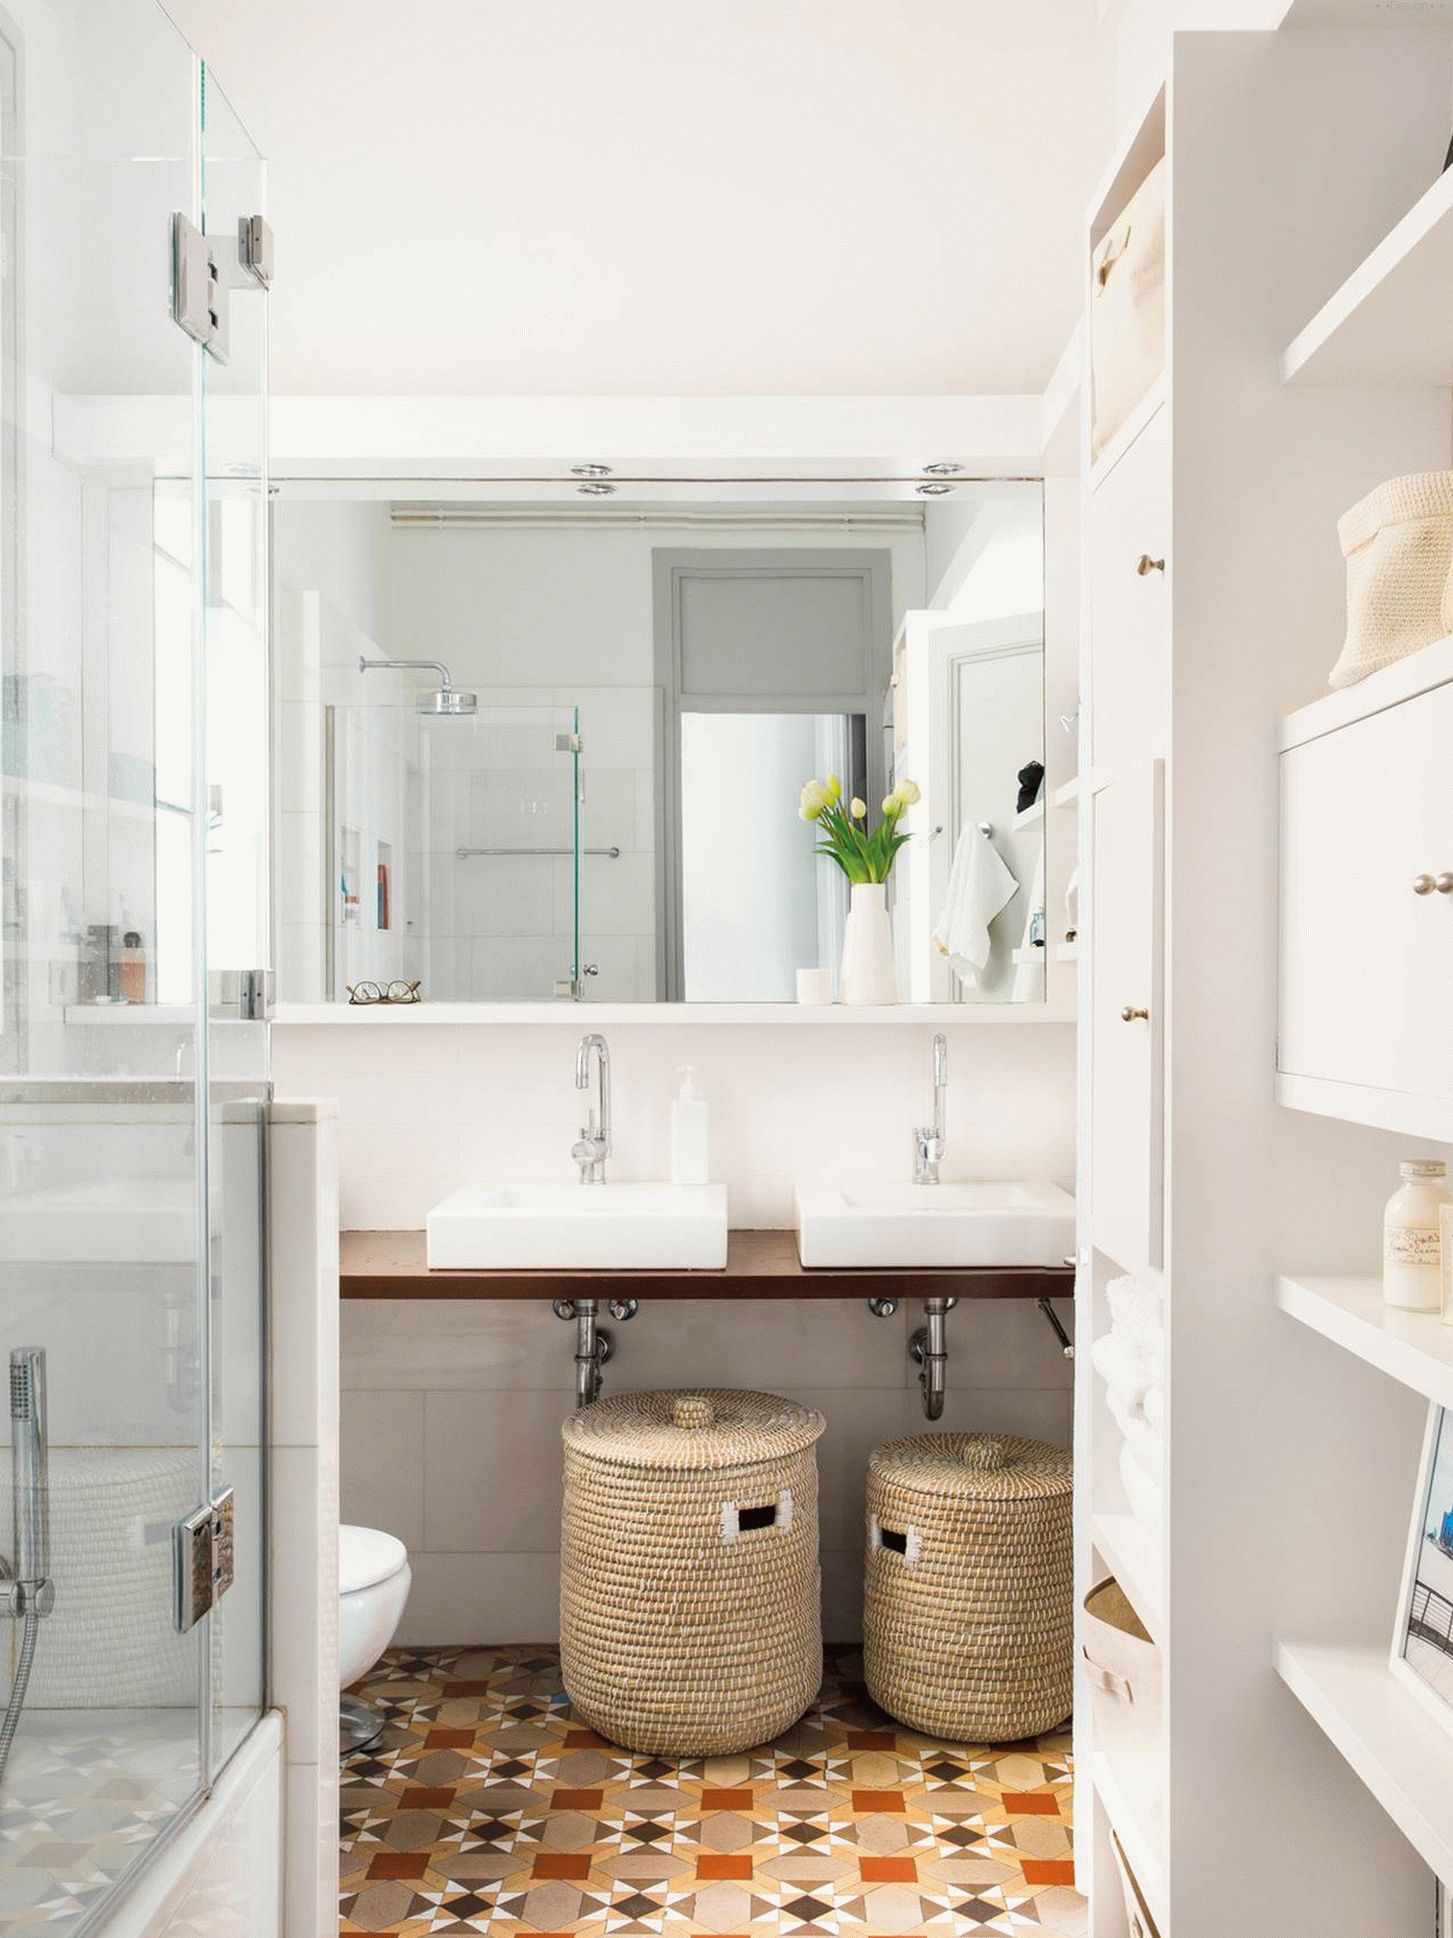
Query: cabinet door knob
1129	1015
1444	883
1423	884
1146	564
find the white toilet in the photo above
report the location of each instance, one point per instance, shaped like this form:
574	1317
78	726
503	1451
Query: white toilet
373	1585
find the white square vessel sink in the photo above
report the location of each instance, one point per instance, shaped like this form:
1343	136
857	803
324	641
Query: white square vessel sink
934	1224
605	1227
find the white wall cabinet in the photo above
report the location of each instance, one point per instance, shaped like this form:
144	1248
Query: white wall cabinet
1129	531
1367	930
1127	1125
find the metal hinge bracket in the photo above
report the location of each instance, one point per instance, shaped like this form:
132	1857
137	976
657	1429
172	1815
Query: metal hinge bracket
199	288
568	743
254	248
205	1560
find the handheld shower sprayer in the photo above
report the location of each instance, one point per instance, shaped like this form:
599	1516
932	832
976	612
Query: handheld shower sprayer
27	1593
29	1483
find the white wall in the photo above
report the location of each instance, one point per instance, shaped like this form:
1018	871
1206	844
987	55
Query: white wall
336	546
985	551
452	1408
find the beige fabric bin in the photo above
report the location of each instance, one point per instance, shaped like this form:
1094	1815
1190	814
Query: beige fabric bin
690	1594
1123	1668
1127	310
969	1607
1398	544
1137	1911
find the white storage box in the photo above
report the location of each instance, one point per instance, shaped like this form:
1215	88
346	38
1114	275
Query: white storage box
1127	309
1123	1669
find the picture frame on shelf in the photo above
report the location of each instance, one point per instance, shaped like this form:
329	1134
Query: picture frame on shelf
1422	1643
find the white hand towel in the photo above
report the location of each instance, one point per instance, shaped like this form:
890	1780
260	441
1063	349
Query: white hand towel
1126	1379
979	885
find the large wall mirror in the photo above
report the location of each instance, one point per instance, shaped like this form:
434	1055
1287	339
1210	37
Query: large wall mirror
552	748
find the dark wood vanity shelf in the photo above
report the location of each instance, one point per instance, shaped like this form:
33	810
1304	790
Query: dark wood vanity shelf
760	1265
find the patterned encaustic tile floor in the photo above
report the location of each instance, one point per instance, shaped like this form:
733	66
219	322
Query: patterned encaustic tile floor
487	1808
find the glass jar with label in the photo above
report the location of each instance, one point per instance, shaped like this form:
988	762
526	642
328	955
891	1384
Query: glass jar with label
1412	1250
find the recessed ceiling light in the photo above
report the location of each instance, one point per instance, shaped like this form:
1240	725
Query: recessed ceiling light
943	468
596	490
590	470
933	490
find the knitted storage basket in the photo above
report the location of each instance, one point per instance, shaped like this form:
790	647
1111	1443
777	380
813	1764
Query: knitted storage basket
1398	543
690	1597
968	1625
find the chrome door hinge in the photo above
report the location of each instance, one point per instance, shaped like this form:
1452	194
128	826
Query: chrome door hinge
203	1549
199	288
254	248
568	743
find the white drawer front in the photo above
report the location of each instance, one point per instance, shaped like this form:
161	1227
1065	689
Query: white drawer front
1129	566
1367	960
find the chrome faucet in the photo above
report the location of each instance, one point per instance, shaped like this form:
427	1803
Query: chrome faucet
592	1147
928	1139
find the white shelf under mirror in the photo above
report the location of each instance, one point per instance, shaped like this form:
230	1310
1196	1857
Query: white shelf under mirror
666	1015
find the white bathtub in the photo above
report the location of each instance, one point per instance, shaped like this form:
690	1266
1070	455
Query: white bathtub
220	1875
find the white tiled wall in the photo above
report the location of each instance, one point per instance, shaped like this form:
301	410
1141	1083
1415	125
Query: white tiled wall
303	1503
451	1409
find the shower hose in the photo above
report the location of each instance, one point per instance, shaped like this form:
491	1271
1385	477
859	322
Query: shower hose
29	1630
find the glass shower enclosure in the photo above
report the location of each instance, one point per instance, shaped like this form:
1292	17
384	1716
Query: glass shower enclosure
134	945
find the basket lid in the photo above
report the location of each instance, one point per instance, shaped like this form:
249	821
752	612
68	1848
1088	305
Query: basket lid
980	1466
692	1427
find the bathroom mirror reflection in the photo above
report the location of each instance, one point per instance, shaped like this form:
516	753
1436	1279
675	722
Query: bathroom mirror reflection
552	747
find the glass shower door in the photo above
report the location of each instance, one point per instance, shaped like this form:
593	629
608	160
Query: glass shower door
237	710
133	760
103	1119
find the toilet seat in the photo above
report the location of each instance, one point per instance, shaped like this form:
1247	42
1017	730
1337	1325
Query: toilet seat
367	1556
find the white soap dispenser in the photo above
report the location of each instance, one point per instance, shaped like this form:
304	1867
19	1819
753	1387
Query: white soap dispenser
690	1133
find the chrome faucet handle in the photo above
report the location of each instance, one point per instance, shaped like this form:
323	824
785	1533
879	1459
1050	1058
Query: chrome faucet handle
927	1150
590	1150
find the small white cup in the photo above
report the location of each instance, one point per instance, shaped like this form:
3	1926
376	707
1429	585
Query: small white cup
814	986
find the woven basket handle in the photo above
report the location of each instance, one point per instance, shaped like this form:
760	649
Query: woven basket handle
690	1410
985	1453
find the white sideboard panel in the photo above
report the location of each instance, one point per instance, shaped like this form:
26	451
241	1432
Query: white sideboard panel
1127	1092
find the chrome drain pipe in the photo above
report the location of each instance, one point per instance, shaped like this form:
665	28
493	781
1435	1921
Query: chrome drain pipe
929	1346
594	1347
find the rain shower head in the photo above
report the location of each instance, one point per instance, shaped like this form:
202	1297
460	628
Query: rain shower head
443	702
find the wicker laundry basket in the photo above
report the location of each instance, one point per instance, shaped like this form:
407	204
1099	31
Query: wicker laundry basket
690	1596
968	1625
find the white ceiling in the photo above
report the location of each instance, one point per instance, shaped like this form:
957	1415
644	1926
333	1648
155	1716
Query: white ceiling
717	197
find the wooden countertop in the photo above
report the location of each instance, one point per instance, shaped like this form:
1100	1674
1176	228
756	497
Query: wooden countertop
760	1265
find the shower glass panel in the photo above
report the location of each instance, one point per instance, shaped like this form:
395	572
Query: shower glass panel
457	849
235	660
130	1248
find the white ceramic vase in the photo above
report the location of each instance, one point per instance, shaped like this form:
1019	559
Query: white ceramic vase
868	975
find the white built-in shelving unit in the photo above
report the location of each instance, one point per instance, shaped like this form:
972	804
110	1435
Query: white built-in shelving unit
1251	1071
1387	324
